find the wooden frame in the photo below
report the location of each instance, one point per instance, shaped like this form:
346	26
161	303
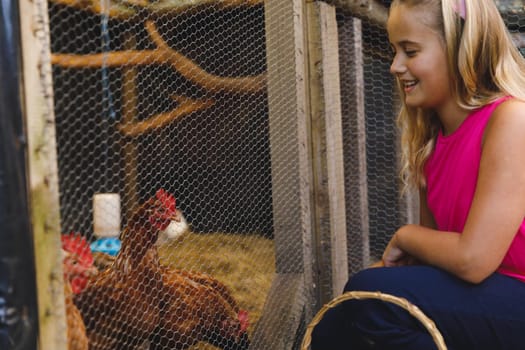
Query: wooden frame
308	198
43	173
354	125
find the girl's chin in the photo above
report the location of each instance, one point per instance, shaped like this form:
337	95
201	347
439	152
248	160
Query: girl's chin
413	101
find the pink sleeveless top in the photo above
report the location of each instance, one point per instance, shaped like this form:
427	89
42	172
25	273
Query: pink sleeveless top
452	173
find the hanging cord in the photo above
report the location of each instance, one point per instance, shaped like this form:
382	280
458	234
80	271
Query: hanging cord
107	98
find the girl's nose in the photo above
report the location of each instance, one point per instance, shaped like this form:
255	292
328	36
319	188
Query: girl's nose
397	66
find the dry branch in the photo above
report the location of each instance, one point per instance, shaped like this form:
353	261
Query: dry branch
164	55
183	65
367	10
127	9
186	106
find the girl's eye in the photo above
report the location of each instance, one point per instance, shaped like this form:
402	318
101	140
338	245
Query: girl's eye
392	50
391	54
410	53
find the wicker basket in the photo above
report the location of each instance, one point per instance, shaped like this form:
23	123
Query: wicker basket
405	304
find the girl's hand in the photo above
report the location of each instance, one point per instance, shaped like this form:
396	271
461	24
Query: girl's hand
395	256
379	263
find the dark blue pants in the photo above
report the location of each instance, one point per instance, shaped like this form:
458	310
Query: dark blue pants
485	316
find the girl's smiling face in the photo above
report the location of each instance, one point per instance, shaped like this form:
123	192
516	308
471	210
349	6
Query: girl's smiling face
420	62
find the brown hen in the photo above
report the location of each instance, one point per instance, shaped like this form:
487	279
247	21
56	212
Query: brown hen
120	306
137	300
197	307
78	267
76	330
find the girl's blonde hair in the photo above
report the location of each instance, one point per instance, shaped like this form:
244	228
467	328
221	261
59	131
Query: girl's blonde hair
484	65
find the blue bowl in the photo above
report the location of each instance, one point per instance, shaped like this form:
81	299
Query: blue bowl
109	246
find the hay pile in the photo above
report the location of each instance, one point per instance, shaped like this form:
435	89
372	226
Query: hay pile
244	263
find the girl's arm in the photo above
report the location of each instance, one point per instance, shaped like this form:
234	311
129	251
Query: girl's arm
425	216
497	210
399	257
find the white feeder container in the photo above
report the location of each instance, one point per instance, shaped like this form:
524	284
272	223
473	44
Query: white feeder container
106	215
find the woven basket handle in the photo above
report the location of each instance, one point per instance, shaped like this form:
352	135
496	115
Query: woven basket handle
405	304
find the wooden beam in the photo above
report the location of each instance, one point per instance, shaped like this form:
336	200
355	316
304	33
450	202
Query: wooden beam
367	10
43	173
289	128
290	153
374	12
133	9
354	128
129	148
327	149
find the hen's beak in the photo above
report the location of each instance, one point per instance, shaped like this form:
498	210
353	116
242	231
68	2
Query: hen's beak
92	271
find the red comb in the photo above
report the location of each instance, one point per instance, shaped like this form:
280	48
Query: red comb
243	320
79	260
167	199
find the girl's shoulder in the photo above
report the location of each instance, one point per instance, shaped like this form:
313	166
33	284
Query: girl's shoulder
511	111
507	120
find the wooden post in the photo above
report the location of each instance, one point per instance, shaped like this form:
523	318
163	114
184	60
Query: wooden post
292	289
307	167
129	146
354	126
327	150
43	173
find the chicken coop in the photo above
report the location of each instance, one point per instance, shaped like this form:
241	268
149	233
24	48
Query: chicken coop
193	174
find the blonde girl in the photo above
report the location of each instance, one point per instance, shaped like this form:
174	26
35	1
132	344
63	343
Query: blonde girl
462	85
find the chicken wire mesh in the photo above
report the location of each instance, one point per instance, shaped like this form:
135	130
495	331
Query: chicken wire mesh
172	96
166	96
